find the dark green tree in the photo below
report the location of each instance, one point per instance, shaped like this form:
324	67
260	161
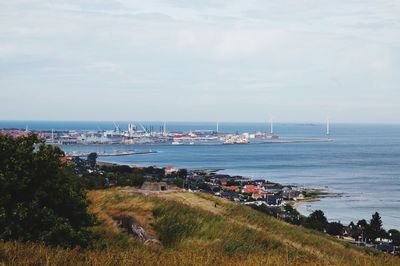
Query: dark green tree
232	183
292	215
361	231
204	186
182	173
375	229
316	220
334	229
394	235
40	200
92	159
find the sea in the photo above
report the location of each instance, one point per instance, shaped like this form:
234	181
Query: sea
360	166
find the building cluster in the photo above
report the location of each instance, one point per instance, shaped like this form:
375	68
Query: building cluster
142	135
241	189
16	133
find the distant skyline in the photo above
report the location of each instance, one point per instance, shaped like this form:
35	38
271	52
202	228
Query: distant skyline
201	60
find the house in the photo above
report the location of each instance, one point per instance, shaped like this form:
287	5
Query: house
386	247
257	196
250	189
348	231
169	170
261	195
299	197
232	188
272	188
291	194
224	182
230	195
272	200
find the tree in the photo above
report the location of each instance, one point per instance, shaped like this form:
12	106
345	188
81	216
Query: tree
394	235
352	225
316	220
232	183
334	229
375	229
40	200
361	230
91	159
204	186
182	173
292	215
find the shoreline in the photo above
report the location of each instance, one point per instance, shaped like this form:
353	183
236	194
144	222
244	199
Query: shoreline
314	194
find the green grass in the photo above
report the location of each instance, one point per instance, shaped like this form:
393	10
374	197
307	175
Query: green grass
193	232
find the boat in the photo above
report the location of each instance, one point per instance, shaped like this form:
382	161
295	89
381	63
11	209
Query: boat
229	140
242	140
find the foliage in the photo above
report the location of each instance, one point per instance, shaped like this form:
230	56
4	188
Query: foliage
271	211
204	186
232	182
292	215
95	181
126	169
91	159
40	200
369	232
375	227
179	182
182	173
394	235
334	229
316	220
231	234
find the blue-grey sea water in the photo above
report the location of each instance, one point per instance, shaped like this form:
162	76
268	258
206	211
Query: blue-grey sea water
362	162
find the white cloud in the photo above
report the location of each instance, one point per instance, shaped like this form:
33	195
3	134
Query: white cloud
284	56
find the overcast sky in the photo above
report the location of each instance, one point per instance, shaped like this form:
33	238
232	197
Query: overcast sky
200	60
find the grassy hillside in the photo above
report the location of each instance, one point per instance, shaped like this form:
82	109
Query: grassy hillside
193	232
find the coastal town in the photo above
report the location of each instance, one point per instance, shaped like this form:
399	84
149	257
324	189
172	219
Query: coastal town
212	191
268	197
273	199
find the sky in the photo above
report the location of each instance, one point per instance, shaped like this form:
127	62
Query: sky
200	60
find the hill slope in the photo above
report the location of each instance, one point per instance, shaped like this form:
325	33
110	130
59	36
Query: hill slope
194	229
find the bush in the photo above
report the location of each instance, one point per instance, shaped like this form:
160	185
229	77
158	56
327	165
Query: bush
316	220
130	180
334	229
40	200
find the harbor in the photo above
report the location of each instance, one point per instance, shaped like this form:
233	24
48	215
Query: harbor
138	134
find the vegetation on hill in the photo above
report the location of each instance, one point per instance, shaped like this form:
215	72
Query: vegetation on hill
47	218
40	200
193	232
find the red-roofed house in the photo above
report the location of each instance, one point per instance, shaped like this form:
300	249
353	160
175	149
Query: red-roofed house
169	169
232	188
251	189
261	195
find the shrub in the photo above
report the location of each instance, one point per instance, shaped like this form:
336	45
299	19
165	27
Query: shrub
316	220
40	199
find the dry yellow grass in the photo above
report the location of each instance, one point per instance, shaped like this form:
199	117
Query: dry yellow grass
228	234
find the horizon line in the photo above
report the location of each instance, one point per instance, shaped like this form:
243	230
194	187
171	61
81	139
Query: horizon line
203	121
